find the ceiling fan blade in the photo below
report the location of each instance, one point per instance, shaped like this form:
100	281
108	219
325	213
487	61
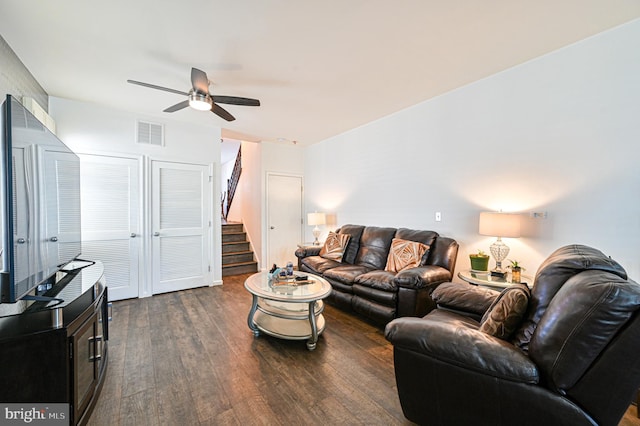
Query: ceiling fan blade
199	81
153	86
177	107
234	100
221	112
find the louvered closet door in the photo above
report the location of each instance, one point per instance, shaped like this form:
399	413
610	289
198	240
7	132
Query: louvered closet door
181	211
62	196
111	220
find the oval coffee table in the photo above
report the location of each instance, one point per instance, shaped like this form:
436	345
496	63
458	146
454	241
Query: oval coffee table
287	311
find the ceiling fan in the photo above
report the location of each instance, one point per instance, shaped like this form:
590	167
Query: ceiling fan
199	97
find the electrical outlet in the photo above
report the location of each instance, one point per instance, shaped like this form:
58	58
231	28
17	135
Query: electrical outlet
438	216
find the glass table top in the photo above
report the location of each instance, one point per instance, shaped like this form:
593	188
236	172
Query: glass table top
262	285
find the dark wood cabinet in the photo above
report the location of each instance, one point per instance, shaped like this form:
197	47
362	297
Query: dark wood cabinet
47	360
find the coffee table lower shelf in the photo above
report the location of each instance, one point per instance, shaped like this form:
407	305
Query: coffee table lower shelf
285	328
289	321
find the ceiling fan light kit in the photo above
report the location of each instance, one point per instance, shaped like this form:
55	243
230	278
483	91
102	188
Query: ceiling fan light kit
199	101
200	98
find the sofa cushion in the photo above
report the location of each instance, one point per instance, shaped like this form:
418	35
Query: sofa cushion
425	237
381	280
405	254
346	273
386	298
335	246
506	312
374	247
355	231
319	265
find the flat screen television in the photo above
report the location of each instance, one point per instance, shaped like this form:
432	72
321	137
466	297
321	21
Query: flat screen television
40	184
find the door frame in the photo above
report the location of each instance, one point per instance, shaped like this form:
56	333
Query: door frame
265	225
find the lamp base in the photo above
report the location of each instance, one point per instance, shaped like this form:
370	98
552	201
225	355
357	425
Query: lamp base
316	234
499	251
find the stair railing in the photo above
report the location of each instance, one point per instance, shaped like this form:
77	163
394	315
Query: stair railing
223	205
232	182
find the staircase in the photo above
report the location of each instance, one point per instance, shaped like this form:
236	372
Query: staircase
237	257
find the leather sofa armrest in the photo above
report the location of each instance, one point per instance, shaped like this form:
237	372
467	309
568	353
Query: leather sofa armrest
422	277
302	252
473	350
464	297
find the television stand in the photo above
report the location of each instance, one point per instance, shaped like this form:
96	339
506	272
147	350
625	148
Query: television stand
56	352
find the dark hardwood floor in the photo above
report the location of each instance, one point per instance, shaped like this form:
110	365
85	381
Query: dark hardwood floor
188	358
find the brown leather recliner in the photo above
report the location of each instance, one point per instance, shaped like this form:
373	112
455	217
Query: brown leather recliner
574	360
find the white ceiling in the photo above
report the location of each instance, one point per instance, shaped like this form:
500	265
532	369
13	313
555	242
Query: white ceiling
318	67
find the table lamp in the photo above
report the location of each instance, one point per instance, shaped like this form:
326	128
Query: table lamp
498	224
316	219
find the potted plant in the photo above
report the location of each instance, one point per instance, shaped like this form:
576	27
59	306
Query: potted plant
479	261
516	271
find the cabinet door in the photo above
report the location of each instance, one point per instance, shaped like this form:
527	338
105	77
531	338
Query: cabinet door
84	366
102	335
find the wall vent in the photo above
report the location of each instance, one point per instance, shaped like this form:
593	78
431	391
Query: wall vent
150	133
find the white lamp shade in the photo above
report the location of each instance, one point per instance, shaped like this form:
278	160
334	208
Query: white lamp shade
496	224
316	218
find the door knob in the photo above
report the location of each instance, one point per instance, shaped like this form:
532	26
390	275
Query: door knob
21	241
53	239
133	235
156	234
272	227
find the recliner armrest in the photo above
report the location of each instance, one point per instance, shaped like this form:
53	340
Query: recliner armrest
422	277
464	297
302	252
451	339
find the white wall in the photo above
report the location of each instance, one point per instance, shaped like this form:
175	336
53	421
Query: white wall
249	205
559	134
95	129
92	127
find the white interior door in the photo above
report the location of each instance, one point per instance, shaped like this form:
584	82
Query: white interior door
22	253
181	223
62	195
110	188
284	206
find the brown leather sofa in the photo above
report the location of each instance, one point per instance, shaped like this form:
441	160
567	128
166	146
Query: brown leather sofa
573	359
361	284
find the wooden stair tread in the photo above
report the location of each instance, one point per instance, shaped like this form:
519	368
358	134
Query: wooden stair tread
230	265
236	250
235	253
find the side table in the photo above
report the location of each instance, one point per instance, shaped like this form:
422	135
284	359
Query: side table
484	279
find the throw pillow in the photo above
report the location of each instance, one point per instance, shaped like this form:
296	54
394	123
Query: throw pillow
506	312
404	254
335	246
